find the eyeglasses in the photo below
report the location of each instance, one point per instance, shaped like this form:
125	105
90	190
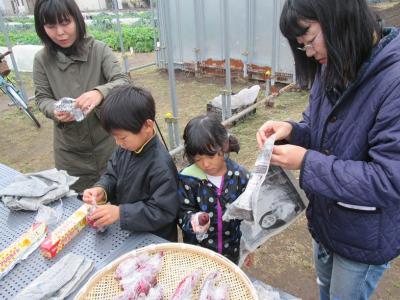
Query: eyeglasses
310	44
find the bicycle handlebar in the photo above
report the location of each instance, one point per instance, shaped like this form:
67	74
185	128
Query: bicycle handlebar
4	54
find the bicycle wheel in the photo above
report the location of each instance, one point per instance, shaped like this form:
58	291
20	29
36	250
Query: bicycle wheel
20	103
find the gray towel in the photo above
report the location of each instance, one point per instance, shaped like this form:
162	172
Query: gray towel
29	191
59	281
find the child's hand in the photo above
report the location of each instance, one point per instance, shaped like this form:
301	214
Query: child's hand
105	215
200	222
95	193
249	260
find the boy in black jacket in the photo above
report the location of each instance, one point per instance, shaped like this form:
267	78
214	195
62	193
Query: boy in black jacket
141	179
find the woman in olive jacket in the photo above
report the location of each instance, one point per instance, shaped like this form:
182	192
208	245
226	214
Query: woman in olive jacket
74	65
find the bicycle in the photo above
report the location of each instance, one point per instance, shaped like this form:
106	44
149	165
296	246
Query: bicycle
8	88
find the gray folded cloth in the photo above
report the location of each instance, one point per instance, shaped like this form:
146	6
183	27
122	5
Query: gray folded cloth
29	191
59	281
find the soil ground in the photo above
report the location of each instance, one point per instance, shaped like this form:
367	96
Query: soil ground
284	261
389	12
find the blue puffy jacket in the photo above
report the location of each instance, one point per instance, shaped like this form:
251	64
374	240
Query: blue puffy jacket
351	172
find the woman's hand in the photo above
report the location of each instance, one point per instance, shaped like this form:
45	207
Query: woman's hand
63	117
282	130
105	215
88	101
95	194
289	157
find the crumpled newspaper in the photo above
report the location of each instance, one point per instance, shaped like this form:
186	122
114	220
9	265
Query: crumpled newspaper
67	105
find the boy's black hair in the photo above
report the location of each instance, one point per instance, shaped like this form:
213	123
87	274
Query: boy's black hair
57	11
350	30
205	135
127	107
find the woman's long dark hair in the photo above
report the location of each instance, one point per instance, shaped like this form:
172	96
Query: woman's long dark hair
205	135
57	11
350	31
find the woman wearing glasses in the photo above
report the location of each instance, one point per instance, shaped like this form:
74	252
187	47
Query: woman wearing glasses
347	147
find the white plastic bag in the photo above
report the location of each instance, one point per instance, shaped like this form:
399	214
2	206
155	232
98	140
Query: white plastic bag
243	98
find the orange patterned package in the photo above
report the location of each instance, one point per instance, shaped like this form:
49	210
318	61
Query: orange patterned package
65	232
22	247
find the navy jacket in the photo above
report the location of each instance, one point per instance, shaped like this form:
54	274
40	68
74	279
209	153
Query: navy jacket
145	186
354	160
197	194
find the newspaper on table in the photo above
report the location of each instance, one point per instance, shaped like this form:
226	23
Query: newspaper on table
270	203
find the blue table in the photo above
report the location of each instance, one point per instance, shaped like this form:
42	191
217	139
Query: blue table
101	248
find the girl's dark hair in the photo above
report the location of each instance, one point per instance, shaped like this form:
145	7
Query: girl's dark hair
58	11
127	107
350	31
205	135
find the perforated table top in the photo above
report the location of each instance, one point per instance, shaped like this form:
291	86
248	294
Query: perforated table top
102	248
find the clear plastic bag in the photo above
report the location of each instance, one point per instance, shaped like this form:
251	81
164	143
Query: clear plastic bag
270	203
89	219
187	285
67	105
242	208
138	276
210	288
264	291
200	221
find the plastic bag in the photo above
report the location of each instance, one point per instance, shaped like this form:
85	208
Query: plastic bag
89	219
138	275
210	289
187	285
264	291
67	105
270	203
242	208
200	221
243	98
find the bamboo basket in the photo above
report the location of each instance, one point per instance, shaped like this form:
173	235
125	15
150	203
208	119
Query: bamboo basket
179	260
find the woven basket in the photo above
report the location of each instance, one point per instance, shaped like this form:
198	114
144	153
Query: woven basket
179	260
4	69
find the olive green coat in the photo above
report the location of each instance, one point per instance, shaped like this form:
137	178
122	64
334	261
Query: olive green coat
80	148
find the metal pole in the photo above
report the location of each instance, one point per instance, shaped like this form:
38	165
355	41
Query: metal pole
171	69
197	49
4	29
225	12
274	42
121	38
251	27
153	18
